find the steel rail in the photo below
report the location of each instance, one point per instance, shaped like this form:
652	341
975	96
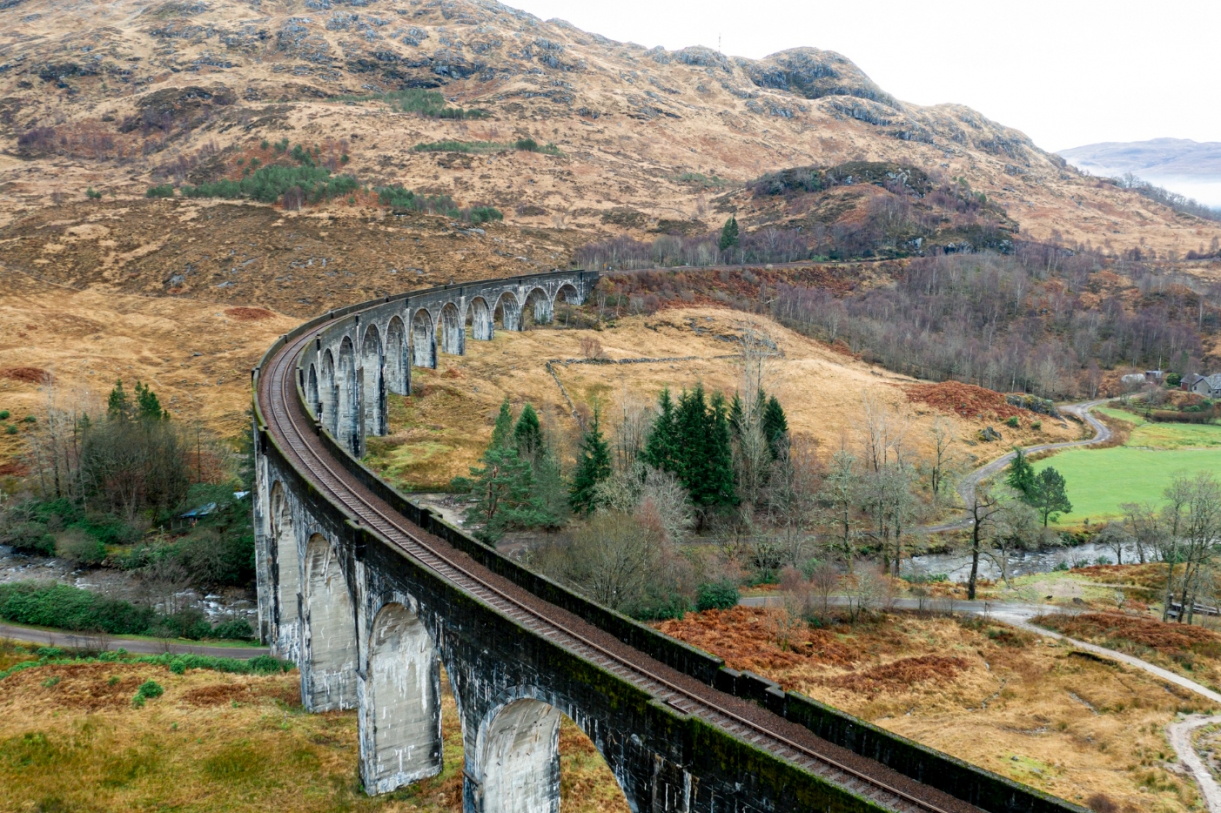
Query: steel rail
286	393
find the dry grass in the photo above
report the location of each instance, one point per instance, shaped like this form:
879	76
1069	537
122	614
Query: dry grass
1025	707
441	433
217	742
1189	650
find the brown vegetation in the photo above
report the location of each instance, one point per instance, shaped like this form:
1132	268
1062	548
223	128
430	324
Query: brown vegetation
965	400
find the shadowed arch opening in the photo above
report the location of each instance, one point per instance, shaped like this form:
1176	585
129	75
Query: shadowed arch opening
519	752
328	676
566	299
373	394
453	330
285	558
347	417
326	394
400	722
508	310
480	315
311	390
537	308
397	370
423	340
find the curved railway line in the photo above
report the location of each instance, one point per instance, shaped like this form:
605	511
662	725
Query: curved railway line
282	405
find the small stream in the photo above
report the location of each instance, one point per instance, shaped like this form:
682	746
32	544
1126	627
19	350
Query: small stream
113	583
957	566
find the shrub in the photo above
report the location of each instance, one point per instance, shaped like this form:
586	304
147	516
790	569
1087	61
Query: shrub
150	689
29	537
92	194
4	414
483	214
718	595
1037	425
527	144
238	629
11	429
164	190
29	419
1012	421
659	607
1062	567
190	624
78	545
65	607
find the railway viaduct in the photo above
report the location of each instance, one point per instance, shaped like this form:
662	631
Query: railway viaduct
372	596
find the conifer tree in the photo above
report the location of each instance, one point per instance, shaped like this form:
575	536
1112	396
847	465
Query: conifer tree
502	432
729	233
661	447
1050	494
736	415
528	435
691	418
775	426
503	491
1021	475
148	407
118	405
718	463
593	466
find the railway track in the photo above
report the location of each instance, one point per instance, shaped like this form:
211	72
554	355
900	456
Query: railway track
294	429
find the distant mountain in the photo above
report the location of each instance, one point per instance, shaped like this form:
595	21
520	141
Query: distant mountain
1158	157
1181	165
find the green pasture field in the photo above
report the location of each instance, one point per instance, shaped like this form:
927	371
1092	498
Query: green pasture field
1101	480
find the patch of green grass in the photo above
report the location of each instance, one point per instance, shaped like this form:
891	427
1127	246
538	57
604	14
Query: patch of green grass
1101	480
1122	415
1176	436
461	146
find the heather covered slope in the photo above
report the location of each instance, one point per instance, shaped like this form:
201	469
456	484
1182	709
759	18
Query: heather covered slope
122	95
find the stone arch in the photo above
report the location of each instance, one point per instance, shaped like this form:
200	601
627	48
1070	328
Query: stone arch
347	397
453	330
568	293
537	307
373	393
311	391
286	560
482	325
328	674
400	716
398	371
423	340
518	753
327	397
510	311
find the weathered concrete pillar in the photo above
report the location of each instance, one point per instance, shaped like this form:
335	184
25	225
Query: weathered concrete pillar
372	387
397	368
285	574
482	324
453	330
400	703
329	650
510	311
423	340
515	766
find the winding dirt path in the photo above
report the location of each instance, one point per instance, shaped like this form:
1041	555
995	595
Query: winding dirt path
1178	733
966	488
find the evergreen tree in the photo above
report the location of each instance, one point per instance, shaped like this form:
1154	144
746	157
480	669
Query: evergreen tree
775	426
528	435
504	497
148	407
718	463
736	415
1050	494
593	466
729	233
502	432
1021	475
661	447
691	419
118	405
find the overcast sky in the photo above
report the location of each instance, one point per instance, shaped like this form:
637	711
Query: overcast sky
1067	73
